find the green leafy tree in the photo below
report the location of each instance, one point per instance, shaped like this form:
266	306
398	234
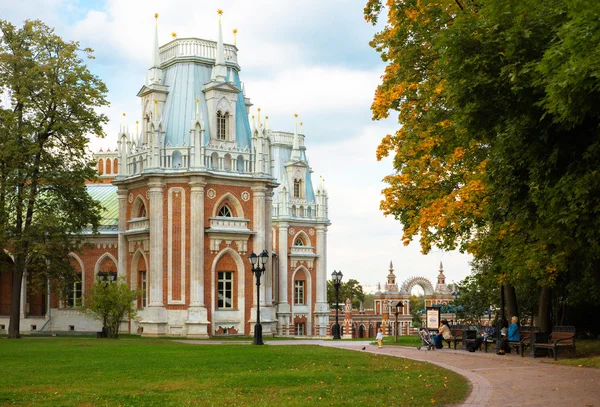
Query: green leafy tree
49	110
417	305
112	303
498	147
348	289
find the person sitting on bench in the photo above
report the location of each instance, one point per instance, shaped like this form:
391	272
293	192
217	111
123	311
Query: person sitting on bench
443	333
513	336
488	332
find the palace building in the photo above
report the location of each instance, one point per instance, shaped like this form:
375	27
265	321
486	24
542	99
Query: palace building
187	197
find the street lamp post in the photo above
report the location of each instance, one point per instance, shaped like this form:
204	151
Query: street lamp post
258	268
397	307
500	322
336	276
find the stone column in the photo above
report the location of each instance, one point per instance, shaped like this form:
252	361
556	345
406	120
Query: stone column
122	240
321	307
156	317
197	322
259	224
283	307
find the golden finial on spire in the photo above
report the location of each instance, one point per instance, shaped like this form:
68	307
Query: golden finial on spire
295	114
197	100
174	34
136	127
156	15
220	12
234	36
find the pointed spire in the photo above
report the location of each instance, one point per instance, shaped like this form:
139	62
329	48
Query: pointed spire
441	266
154	75
296	146
219	72
391	265
235	36
155	51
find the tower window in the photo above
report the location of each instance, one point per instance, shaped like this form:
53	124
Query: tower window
222	125
225	211
297	189
225	290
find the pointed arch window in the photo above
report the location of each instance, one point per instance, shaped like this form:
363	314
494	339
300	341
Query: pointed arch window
222	125
225	212
299	242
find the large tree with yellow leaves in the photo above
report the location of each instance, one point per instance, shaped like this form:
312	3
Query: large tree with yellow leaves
498	147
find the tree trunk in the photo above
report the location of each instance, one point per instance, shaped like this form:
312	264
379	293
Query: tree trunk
544	321
14	327
512	308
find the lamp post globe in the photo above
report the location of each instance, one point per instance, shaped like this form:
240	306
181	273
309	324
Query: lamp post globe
336	277
258	263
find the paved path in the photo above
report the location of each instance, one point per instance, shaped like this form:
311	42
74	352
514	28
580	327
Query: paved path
504	381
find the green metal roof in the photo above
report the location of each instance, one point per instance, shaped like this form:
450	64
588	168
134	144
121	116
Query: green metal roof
106	194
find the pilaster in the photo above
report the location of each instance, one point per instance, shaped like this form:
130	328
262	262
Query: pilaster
197	322
122	240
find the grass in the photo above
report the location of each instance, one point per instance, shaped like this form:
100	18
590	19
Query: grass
146	372
587	354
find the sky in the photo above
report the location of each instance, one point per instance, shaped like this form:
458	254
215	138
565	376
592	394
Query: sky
310	57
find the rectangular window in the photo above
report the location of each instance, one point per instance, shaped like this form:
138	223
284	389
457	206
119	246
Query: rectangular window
225	289
300	329
74	297
222	125
143	288
297	188
299	292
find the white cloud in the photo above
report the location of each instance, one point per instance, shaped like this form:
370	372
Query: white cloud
308	57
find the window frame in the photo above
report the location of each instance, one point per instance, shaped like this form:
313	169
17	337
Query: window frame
75	295
222	125
299	292
225	215
225	289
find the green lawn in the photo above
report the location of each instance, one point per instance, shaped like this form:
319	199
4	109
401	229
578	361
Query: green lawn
587	355
152	372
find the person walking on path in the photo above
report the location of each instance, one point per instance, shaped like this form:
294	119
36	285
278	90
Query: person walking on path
379	338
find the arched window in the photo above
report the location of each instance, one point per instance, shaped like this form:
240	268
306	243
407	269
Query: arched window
225	211
299	242
222	125
297	188
115	166
101	166
108	167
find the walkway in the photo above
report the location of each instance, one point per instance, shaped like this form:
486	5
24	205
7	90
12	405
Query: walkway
505	381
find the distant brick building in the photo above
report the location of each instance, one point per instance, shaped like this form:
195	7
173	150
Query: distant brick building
364	323
188	195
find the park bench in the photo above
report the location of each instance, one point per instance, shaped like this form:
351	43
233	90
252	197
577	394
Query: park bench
525	333
562	337
457	335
